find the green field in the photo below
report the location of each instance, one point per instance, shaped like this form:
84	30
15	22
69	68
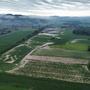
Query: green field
19	52
38	75
70	45
13	82
15	55
15	42
40	40
71	41
63	53
12	39
56	70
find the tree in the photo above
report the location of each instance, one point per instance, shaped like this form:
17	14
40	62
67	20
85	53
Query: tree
88	48
88	65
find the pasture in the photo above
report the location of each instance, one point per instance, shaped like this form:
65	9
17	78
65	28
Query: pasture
13	49
29	83
13	39
63	53
68	45
44	75
71	41
12	58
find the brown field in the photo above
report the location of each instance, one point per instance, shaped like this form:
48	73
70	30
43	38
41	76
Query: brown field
57	59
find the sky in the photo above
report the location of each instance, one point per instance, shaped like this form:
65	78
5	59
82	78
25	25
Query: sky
46	7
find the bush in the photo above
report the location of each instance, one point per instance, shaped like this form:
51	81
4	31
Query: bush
88	48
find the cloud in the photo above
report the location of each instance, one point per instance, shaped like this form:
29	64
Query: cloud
8	0
49	6
59	13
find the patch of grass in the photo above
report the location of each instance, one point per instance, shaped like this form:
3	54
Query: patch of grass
10	40
64	46
40	40
68	36
17	55
5	66
72	46
13	82
20	52
62	53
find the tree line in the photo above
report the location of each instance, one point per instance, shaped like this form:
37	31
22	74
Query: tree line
82	31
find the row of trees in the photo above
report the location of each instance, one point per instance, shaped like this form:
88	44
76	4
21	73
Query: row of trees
82	30
88	48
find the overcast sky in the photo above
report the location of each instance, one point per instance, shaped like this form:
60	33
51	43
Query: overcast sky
46	7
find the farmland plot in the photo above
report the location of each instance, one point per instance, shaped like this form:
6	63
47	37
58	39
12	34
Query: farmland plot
12	52
13	39
63	46
62	52
49	63
19	82
73	72
14	56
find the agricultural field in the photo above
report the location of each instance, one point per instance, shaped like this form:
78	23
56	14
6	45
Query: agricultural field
67	44
40	40
29	83
13	39
45	61
72	41
13	48
62	52
73	72
13	57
